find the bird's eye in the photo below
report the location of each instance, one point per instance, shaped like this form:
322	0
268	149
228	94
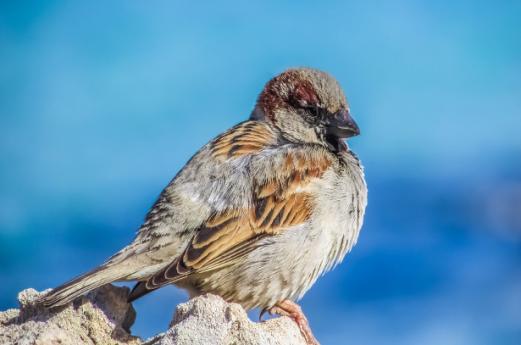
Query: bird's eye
314	114
315	110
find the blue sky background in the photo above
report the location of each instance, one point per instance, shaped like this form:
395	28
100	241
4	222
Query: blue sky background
102	102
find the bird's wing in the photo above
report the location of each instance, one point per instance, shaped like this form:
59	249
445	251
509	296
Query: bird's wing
279	199
214	178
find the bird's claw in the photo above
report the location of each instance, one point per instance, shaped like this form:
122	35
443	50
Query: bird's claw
292	310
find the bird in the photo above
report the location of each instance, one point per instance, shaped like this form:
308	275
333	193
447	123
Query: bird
259	213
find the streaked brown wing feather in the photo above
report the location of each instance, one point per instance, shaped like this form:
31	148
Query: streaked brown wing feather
278	203
246	138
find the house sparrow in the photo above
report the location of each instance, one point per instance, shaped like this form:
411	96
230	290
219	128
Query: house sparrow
258	213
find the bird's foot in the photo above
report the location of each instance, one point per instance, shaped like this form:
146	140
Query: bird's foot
294	311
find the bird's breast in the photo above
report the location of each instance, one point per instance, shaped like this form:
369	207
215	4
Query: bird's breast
290	263
340	198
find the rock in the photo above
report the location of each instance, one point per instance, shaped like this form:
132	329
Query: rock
104	317
208	319
101	317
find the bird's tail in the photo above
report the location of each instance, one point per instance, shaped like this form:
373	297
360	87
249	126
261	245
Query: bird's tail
89	281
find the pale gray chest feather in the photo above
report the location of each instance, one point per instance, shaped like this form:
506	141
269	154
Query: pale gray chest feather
340	207
340	201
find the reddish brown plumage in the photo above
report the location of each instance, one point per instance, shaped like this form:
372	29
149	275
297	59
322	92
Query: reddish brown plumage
247	138
304	94
287	89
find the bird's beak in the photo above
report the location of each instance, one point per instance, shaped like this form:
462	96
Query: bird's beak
342	125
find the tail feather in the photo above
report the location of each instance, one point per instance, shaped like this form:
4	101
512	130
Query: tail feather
139	290
78	286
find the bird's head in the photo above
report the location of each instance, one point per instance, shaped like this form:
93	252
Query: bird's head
307	105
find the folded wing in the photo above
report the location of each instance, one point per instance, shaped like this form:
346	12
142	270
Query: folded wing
280	200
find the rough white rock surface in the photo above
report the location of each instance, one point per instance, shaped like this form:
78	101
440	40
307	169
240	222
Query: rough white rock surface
101	317
210	320
104	317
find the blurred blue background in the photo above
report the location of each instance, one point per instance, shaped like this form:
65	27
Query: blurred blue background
102	102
